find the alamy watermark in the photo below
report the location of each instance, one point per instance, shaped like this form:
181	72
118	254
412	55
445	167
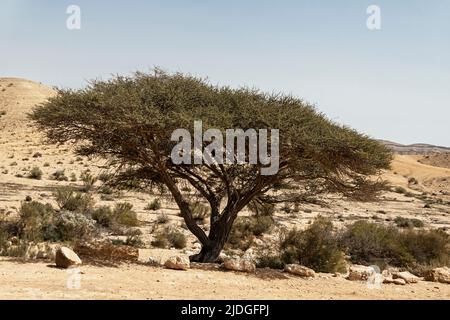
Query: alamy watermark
374	20
239	147
73	22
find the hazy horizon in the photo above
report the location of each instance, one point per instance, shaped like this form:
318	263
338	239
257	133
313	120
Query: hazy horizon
391	84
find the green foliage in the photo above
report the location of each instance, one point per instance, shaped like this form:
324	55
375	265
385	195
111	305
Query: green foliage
88	181
316	247
70	226
36	173
246	228
68	199
402	222
169	237
369	243
34	220
122	215
59	175
272	261
199	211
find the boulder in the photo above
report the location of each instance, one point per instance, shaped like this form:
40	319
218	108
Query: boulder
359	273
441	275
178	263
407	276
397	281
299	270
66	258
239	264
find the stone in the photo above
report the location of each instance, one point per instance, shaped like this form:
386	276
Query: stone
178	263
66	258
441	275
299	270
359	273
407	276
397	281
239	264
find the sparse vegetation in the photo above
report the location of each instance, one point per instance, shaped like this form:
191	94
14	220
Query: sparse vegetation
316	247
402	222
36	173
59	175
154	205
122	215
88	181
169	237
68	199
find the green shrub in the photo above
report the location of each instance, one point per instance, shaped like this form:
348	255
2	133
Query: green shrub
34	220
272	261
162	218
68	199
70	226
316	247
262	209
35	173
154	205
59	175
134	239
169	237
402	222
199	211
246	228
122	214
400	190
369	243
105	177
88	181
177	239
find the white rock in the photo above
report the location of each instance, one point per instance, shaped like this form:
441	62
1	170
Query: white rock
441	275
359	273
66	258
178	263
407	276
299	270
239	264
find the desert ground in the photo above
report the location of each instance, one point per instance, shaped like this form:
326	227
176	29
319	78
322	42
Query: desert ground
22	148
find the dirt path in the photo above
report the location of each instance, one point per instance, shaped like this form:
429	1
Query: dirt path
41	281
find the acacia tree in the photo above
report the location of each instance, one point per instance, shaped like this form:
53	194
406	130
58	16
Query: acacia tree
129	120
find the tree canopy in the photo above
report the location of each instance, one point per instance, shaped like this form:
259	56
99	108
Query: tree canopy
130	120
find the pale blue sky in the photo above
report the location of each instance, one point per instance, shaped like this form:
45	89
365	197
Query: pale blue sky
391	84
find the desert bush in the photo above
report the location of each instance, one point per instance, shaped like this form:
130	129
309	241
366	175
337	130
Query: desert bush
68	199
70	226
154	205
73	177
104	216
199	211
59	175
106	190
272	261
37	155
169	237
34	220
316	247
122	215
88	181
46	164
35	173
412	180
402	222
246	228
369	243
400	190
263	209
134	238
162	218
105	177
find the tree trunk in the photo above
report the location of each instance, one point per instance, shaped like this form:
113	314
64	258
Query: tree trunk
218	237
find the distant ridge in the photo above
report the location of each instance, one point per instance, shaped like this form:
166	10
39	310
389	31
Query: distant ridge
416	148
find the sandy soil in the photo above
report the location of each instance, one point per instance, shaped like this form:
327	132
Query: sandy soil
41	281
